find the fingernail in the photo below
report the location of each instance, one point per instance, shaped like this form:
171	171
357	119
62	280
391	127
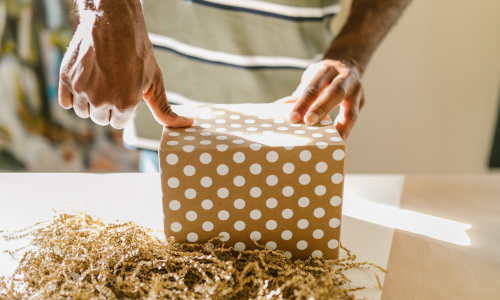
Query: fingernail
312	118
295	116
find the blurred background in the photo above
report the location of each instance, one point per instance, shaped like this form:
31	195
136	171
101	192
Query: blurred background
432	90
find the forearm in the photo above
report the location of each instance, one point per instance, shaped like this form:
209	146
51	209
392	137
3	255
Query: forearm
368	22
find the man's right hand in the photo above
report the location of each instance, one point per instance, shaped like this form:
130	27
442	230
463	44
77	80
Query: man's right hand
110	66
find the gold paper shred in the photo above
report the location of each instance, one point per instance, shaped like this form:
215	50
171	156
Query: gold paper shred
81	257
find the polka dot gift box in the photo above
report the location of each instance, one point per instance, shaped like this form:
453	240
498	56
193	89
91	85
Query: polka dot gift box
245	172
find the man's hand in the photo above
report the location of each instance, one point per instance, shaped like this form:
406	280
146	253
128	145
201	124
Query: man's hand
325	85
110	66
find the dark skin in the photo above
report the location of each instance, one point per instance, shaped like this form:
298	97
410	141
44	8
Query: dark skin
110	66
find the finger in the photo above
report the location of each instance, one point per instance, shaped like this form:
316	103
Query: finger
156	98
65	96
120	119
333	96
349	114
81	106
100	115
312	91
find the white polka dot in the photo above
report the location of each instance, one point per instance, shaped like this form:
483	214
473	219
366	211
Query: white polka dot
239	225
220	121
334	223
207	204
330	130
304	179
172	159
221	137
332	244
205	158
325	122
206	181
205	142
271	203
176	227
321	145
288	254
272	180
222	129
239	181
255	169
302	224
192	237
282	128
224	236
255	214
321	167
174	134
279	121
252	129
288	168
301	245
303	202
271	224
337	178
223	215
320	190
191	215
205	117
239	203
239	157
335	139
255	236
255	147
189	170
338	154
299	132
234	117
287	191
317	254
205	133
239	246
319	212
172	143
286	235
335	201
219	112
296	125
250	121
223	193
288	147
312	128
305	155
174	205
271	245
238	141
189	138
222	170
317	135
272	156
235	125
318	233
208	226
268	132
255	192
263	117
173	182
221	147
190	193
238	133
188	148
287	213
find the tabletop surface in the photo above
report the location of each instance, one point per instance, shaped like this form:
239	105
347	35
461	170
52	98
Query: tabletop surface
371	213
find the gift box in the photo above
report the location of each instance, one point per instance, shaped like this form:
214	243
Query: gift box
246	173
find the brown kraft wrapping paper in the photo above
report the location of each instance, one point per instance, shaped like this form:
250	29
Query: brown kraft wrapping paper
245	172
421	267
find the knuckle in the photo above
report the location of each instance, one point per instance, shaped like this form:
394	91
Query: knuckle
312	91
352	114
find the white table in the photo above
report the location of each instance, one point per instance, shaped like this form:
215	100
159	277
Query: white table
29	198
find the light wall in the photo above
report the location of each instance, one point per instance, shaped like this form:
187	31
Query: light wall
432	91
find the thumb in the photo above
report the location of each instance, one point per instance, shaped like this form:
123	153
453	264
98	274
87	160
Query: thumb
156	98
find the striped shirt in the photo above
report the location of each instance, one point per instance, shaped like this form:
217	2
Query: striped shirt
236	51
